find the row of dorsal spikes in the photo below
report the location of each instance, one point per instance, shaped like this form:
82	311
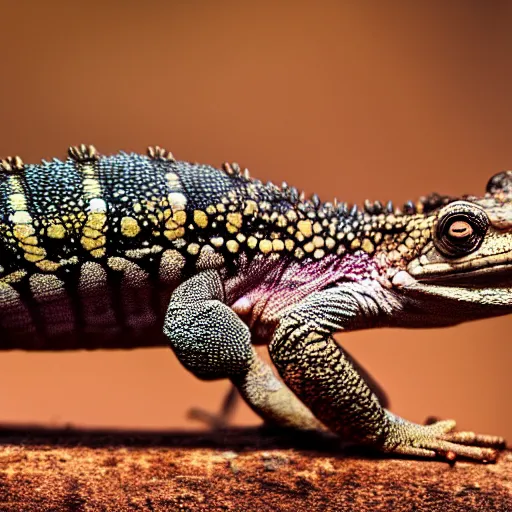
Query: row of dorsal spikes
313	203
87	153
82	153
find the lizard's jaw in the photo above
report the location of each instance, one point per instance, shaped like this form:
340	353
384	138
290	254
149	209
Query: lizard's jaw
442	301
481	293
496	277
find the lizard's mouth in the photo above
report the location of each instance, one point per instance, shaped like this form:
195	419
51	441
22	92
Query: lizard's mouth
498	276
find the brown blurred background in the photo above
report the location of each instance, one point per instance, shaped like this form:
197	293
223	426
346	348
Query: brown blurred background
385	100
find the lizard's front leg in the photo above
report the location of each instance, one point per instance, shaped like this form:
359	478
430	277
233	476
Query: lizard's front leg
318	372
213	343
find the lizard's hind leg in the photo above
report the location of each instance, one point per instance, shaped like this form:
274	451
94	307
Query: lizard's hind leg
213	343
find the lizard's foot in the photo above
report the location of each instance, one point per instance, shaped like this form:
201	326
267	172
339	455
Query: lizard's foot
439	440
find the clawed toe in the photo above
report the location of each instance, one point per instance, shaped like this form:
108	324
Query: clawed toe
438	439
480	440
450	451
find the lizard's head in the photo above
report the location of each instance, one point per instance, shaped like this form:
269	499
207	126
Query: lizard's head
463	253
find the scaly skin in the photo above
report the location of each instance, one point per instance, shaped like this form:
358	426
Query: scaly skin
130	250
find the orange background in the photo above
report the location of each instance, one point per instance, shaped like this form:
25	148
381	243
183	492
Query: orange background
385	100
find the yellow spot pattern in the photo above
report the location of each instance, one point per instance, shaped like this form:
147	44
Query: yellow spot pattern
305	227
200	218
129	227
56	231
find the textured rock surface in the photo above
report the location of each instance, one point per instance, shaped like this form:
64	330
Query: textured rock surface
247	469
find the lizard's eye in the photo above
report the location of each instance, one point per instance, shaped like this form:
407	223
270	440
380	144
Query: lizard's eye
460	229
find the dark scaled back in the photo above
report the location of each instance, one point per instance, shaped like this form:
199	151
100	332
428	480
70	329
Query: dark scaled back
136	206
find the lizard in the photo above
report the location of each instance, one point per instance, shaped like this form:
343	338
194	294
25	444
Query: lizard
133	250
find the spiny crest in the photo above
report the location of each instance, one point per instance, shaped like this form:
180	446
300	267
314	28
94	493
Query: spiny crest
11	165
377	208
409	208
342	208
312	206
159	153
423	205
83	153
374	208
233	169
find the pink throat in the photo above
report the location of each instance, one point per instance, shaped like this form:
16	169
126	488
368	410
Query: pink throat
269	287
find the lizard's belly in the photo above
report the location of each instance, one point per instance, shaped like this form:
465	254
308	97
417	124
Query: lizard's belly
97	315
